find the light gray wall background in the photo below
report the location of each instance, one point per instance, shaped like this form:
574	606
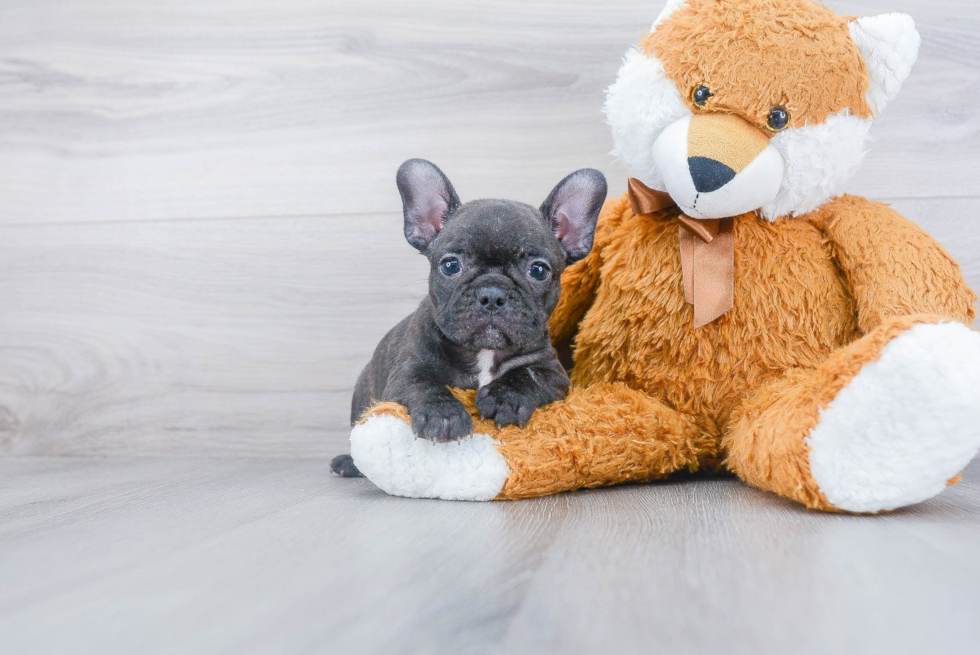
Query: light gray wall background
200	237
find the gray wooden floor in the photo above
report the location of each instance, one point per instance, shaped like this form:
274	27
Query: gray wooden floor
200	245
169	555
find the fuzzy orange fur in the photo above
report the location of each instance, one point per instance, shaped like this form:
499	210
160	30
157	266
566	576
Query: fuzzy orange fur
825	75
765	444
808	291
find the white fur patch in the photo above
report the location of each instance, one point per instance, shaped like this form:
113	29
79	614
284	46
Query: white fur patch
640	104
484	367
388	454
889	45
904	425
818	162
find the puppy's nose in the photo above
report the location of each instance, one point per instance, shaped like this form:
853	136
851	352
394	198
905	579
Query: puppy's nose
709	174
491	299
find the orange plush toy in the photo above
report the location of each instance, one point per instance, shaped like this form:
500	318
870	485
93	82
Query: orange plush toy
737	312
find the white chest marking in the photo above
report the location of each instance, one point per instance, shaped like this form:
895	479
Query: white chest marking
484	367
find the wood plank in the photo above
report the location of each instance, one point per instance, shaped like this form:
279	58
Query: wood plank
721	567
233	337
116	111
256	556
294	560
222	337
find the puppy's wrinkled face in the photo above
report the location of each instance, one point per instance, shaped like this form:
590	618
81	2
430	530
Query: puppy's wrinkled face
495	275
496	264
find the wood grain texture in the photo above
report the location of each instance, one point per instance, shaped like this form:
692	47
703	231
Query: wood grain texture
275	556
199	235
204	337
118	111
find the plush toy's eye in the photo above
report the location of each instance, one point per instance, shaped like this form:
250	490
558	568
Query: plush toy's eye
450	266
701	95
778	118
539	271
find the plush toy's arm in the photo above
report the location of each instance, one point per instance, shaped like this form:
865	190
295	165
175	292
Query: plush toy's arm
892	266
580	280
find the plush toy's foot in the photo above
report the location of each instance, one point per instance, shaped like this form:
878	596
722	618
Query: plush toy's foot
601	435
886	423
392	457
905	425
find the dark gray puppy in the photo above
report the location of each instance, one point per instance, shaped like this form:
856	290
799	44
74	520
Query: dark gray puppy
494	281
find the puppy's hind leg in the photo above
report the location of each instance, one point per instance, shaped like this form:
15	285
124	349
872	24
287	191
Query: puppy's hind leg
343	465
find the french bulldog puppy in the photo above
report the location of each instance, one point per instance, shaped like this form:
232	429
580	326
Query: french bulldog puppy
494	281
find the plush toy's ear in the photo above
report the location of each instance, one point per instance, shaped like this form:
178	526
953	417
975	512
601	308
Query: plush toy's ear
428	198
573	207
890	46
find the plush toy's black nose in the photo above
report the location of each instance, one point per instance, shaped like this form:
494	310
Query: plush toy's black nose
491	299
709	174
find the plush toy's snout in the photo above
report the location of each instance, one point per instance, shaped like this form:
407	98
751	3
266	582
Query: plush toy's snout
719	147
718	165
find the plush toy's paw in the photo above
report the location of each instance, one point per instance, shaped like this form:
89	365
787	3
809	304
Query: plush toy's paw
443	421
905	425
387	452
504	405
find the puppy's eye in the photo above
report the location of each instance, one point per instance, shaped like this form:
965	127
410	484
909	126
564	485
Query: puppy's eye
778	118
701	95
539	271
450	266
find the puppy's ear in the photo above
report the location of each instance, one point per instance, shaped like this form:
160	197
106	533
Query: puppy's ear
428	198
572	209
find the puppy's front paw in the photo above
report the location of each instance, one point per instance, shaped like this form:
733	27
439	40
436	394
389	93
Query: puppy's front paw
504	405
442	421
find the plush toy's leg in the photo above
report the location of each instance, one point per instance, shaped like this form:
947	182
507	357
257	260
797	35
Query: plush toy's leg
885	422
600	435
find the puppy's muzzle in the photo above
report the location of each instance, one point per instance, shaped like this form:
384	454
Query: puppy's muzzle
718	165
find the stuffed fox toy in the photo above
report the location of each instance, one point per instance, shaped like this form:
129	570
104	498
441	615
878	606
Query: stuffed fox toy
737	311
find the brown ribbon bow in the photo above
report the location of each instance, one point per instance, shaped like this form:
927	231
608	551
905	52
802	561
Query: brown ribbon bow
707	254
